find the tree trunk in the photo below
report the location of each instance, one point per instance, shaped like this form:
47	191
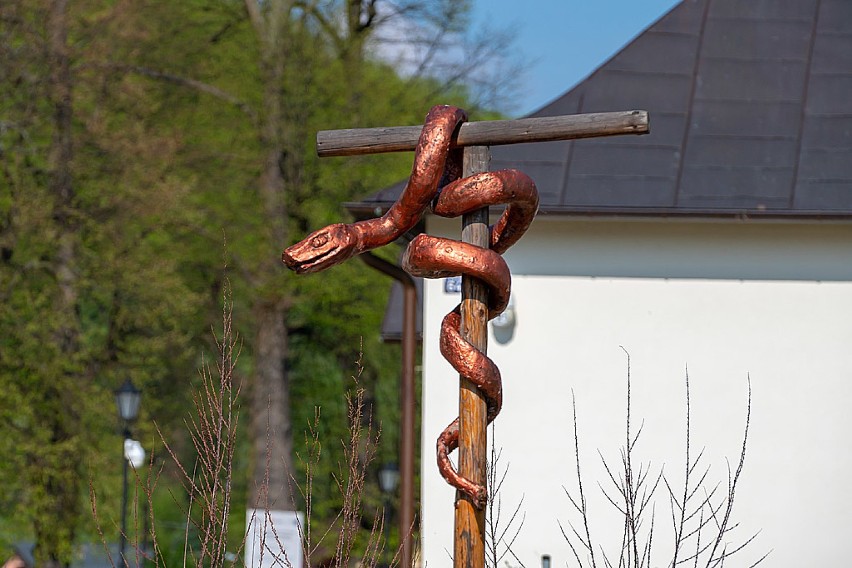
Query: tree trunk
59	508
270	411
272	432
359	20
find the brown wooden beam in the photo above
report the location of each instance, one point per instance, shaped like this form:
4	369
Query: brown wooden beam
351	142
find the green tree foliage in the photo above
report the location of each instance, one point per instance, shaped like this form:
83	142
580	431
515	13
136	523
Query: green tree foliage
190	132
91	291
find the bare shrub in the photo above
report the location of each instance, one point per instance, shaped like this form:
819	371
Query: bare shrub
208	482
701	512
500	533
359	451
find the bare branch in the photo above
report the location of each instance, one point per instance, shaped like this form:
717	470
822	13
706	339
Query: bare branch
498	546
256	18
703	524
332	31
732	483
199	86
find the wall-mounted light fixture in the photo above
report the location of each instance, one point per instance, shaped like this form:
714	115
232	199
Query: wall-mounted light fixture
506	320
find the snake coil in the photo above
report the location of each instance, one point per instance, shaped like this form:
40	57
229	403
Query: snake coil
435	181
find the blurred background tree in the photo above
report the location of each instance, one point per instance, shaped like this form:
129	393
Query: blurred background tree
146	145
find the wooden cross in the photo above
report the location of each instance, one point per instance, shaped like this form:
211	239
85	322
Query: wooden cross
476	138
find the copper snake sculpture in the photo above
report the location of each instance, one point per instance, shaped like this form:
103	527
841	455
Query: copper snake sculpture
435	180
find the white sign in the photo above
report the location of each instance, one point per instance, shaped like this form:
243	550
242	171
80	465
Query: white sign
273	539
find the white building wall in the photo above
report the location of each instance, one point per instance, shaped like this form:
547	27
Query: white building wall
769	301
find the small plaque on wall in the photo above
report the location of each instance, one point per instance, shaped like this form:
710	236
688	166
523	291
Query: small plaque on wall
452	285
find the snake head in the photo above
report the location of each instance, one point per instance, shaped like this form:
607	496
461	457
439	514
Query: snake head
322	249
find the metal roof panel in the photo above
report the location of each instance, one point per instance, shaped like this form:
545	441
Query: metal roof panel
834	16
832	53
757	39
764	9
727	186
752	80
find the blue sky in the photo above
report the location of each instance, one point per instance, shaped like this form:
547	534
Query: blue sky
564	40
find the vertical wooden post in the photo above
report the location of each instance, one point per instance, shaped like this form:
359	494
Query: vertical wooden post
469	541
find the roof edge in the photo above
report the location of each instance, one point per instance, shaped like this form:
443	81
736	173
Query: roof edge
366	210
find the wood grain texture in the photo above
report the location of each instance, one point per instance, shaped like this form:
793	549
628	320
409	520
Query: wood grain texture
469	540
358	141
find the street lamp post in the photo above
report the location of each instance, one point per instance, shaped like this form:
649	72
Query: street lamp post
127	399
388	480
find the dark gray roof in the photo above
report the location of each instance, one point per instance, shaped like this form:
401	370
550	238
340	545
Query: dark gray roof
751	115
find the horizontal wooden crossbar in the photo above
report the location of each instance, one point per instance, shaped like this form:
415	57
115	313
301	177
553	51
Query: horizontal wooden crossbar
352	142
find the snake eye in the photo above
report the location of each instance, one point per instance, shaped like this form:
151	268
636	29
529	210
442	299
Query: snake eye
319	240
